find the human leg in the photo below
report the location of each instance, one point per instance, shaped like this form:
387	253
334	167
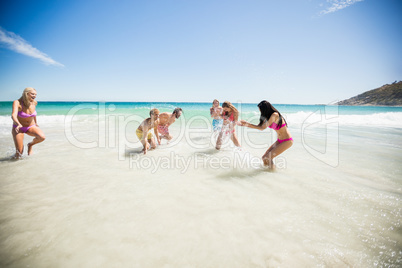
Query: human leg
219	141
39	137
139	134
235	140
18	142
167	137
151	140
276	149
164	132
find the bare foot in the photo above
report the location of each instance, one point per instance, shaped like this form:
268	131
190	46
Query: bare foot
17	156
29	149
271	168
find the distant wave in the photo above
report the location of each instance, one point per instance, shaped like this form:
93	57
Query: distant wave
390	119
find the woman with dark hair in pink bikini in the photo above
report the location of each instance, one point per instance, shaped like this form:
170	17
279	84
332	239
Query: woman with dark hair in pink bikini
24	122
271	118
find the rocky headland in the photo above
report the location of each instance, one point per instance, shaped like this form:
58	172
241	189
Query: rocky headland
387	95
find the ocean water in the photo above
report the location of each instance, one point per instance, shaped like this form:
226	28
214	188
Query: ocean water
88	197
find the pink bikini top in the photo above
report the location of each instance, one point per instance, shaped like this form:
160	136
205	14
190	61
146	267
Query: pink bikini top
25	115
276	127
226	116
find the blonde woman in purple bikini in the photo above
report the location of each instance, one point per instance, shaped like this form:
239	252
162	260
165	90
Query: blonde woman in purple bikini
24	122
271	118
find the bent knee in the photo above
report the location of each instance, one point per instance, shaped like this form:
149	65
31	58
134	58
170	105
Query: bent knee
41	137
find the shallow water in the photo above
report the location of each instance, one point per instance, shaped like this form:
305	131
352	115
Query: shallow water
89	198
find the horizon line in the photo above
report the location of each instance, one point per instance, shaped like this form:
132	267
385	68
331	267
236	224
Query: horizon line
100	101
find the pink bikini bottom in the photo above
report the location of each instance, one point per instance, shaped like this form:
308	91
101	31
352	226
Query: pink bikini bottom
280	141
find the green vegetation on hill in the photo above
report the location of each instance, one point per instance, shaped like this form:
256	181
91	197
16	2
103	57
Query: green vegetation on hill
389	94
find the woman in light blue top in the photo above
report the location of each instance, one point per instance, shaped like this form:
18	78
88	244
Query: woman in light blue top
216	114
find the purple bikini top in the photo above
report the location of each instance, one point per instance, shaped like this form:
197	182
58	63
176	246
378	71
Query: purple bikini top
25	115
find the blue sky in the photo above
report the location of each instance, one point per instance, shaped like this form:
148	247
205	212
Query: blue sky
289	51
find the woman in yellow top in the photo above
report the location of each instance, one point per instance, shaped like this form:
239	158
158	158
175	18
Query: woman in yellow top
143	131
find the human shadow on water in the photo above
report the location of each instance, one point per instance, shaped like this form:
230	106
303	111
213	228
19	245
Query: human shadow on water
11	159
200	138
208	152
244	173
135	151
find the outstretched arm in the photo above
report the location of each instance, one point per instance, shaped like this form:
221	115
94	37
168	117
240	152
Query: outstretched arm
145	130
144	139
247	124
14	115
156	132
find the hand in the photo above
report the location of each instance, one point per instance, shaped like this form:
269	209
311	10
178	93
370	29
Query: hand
243	123
17	128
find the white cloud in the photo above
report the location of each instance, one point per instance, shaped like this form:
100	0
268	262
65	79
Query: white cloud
16	43
338	5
